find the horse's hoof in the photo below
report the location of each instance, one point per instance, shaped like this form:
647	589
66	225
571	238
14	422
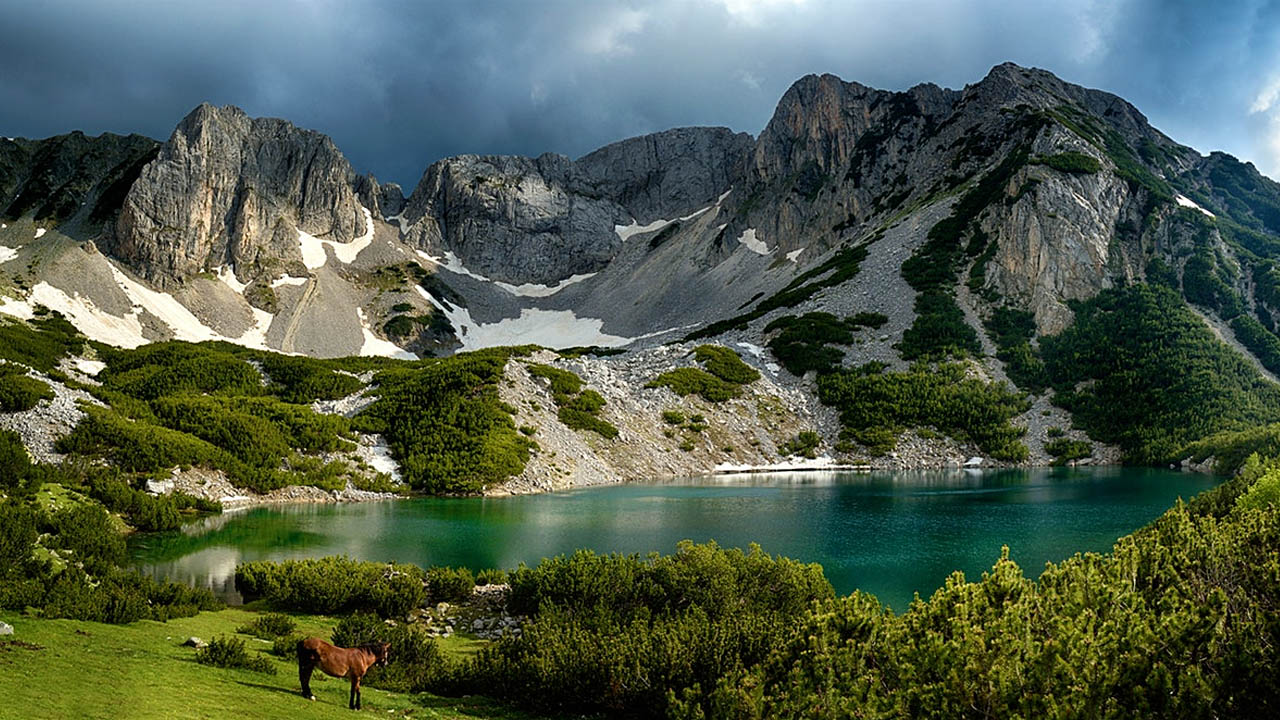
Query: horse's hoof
311	698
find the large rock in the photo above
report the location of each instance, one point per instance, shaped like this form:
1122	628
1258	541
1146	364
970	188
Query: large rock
228	189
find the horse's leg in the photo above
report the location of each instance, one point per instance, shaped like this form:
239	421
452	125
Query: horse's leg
358	703
305	668
351	702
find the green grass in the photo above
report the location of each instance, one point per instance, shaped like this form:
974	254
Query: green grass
141	670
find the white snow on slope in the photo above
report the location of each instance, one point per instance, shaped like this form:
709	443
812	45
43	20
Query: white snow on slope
184	324
748	240
40	233
96	324
228	277
1187	202
314	256
89	367
453	264
375	346
534	290
552	328
635	228
794	254
16	308
7	254
288	280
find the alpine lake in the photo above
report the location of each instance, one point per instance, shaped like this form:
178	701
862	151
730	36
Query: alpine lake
891	534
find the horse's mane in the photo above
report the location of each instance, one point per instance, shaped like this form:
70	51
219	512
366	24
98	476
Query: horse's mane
372	647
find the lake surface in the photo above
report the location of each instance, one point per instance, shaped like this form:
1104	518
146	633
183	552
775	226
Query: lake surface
889	533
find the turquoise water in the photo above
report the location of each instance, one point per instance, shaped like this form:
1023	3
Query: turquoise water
891	534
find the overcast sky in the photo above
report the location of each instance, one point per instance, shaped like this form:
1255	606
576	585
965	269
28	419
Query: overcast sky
398	85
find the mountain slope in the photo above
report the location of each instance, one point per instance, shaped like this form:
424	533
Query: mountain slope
973	225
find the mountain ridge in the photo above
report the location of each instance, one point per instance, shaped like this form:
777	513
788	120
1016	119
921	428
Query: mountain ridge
976	222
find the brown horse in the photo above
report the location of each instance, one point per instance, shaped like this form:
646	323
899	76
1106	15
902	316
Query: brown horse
339	662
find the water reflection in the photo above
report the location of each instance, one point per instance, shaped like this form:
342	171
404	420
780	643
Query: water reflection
891	534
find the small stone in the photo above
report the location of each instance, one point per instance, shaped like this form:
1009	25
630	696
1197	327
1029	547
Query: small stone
195	642
6	628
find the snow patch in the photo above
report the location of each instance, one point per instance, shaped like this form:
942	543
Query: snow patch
288	280
378	456
749	240
551	328
376	347
399	220
314	256
95	323
184	324
453	264
533	290
755	350
228	277
794	254
40	233
7	254
796	463
635	228
89	367
16	308
1187	202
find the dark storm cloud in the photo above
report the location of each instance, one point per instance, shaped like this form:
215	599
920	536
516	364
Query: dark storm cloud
398	85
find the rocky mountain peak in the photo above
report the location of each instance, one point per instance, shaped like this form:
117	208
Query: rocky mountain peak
229	189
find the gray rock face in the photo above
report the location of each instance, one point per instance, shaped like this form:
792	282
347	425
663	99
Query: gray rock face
523	220
665	174
73	181
513	219
229	189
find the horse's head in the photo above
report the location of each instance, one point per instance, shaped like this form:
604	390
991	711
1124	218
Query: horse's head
382	651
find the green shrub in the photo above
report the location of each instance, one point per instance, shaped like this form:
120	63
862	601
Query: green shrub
449	584
229	652
1075	163
332	585
39	343
875	407
801	345
491	577
579	409
613	633
1140	370
1064	451
872	320
1264	494
400	326
269	626
939	331
445	425
563	382
804	444
673	417
302	379
691	381
725	364
21	392
17	478
167	368
286	646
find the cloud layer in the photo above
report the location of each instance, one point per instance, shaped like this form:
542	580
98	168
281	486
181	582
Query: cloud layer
401	84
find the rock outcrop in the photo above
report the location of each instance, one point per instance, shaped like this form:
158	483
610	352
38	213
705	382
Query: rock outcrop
230	190
73	181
